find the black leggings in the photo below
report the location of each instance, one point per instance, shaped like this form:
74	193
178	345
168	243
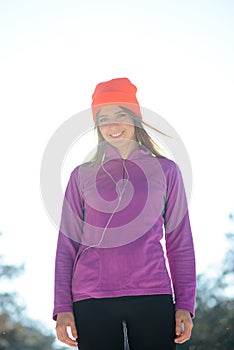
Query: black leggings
145	322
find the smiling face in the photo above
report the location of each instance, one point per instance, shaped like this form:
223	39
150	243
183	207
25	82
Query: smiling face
116	127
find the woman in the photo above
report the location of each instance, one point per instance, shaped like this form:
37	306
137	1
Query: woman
111	276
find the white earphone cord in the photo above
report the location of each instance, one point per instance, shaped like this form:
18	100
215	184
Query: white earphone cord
121	192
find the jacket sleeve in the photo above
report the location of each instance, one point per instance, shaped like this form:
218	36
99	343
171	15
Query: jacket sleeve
67	245
179	242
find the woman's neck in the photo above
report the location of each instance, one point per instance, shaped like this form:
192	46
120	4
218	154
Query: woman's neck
126	150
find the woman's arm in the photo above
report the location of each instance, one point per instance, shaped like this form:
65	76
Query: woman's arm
180	250
67	246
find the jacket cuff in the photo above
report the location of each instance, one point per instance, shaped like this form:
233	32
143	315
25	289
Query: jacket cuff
60	309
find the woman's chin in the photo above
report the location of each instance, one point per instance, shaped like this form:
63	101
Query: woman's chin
118	141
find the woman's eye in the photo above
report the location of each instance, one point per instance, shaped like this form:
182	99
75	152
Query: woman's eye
106	120
121	115
102	120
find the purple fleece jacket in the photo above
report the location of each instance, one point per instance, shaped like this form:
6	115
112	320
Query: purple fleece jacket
125	231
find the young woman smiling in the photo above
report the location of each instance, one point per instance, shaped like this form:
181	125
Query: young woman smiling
111	277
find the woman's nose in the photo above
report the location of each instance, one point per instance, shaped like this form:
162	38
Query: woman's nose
113	122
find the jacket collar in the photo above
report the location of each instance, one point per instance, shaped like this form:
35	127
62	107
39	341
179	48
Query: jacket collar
111	153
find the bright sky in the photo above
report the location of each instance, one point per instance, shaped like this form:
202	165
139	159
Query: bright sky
179	54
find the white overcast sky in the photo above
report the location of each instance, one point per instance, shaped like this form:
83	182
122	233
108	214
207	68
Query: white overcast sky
179	54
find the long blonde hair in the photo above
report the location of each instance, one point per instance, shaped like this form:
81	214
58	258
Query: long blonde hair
141	137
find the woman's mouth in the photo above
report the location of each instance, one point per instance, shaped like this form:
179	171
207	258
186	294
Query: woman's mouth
117	135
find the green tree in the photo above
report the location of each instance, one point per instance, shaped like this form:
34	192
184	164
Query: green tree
18	332
214	321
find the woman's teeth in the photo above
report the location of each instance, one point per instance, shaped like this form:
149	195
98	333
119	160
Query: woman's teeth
117	134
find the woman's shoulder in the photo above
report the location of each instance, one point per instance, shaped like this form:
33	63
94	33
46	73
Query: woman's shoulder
83	170
169	166
81	166
166	163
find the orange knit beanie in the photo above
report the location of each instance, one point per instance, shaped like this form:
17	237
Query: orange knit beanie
119	92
